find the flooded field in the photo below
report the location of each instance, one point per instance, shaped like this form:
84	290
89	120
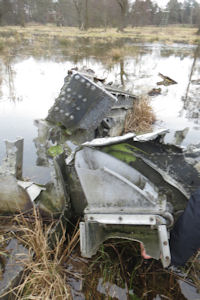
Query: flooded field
29	85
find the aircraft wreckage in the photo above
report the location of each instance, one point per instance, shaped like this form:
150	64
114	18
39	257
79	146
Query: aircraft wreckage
123	186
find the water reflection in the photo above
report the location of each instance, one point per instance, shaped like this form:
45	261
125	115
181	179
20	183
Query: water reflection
33	84
29	86
10	80
192	96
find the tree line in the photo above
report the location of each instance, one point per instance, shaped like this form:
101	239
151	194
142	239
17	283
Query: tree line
98	13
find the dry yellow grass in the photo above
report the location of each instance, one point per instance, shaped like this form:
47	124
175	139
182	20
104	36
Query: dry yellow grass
44	40
45	275
116	53
167	34
141	118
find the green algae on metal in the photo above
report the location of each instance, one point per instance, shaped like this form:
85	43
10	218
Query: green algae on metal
123	152
55	150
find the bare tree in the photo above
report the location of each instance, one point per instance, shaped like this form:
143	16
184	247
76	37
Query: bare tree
123	4
105	15
86	18
81	7
6	12
78	4
21	12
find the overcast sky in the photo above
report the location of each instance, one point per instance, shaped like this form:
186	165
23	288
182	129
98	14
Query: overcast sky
162	3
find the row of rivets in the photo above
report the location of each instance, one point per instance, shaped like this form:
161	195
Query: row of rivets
68	96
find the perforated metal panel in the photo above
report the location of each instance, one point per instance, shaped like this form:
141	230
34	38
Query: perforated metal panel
81	104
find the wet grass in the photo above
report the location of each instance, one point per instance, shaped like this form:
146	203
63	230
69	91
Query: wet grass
119	270
110	269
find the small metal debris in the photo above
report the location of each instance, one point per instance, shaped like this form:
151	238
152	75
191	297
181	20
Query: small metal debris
12	163
154	92
166	80
34	191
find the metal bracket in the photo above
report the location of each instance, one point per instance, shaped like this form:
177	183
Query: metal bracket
125	219
136	228
164	246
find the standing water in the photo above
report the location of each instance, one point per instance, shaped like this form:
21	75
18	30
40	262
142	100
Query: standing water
29	87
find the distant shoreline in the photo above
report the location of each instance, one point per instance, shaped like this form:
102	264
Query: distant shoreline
168	35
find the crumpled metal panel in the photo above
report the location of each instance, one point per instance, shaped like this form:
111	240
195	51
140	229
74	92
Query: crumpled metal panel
111	185
109	140
158	132
82	104
12	163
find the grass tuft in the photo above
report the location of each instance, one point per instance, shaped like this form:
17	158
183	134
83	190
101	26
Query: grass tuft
141	118
116	53
45	276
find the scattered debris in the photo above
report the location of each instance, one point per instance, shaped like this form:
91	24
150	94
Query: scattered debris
166	80
180	135
154	92
195	81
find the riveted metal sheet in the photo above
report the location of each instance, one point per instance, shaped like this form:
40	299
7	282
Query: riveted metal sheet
82	104
125	219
